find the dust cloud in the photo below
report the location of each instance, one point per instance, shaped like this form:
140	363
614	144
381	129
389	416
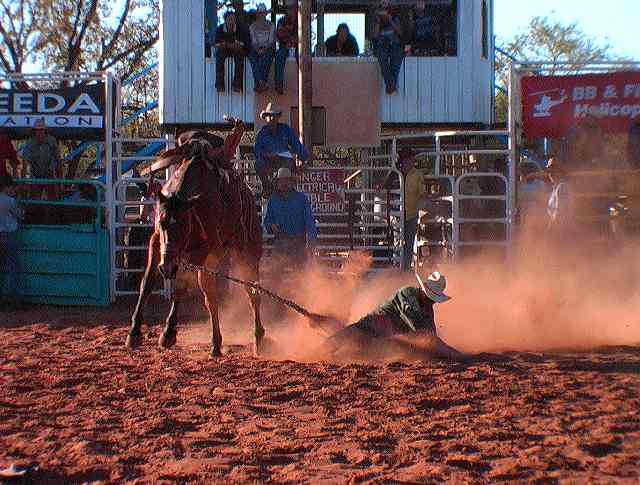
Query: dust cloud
560	299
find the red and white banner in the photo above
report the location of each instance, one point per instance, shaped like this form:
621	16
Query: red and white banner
325	189
552	105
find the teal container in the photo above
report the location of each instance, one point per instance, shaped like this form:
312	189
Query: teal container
64	264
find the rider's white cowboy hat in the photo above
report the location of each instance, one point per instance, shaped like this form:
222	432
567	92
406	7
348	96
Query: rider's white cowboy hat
271	109
434	287
283	173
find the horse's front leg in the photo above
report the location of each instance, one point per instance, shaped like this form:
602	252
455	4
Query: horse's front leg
134	338
169	333
208	287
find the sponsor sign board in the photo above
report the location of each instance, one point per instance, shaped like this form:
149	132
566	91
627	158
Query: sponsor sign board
552	105
77	112
325	189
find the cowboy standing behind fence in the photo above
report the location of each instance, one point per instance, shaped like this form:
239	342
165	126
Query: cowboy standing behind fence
290	219
275	147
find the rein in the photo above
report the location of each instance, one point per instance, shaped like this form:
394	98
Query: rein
323	322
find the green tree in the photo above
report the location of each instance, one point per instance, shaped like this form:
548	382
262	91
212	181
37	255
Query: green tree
86	36
547	40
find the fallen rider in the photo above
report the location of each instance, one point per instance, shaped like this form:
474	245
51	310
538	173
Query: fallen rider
404	323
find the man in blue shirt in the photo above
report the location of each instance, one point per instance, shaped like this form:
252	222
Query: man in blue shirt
275	147
290	219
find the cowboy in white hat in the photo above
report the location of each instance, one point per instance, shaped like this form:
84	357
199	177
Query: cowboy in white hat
289	217
276	146
409	313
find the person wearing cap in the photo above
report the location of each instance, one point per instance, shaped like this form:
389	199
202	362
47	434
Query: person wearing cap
387	37
42	153
409	312
290	219
424	36
414	193
342	44
276	145
263	48
287	33
7	155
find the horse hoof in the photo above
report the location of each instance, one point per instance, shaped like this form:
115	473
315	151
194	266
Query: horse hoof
134	340
215	354
265	347
167	339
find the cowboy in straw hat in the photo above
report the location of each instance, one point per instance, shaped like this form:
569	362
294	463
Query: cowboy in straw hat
409	313
276	146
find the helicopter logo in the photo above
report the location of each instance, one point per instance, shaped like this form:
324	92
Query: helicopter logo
542	109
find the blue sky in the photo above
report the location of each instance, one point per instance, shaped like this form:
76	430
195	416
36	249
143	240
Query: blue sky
614	21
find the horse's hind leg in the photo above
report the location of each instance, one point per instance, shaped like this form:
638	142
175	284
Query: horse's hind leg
134	338
253	274
208	287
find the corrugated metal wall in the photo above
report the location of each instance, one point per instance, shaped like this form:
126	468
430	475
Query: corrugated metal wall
431	90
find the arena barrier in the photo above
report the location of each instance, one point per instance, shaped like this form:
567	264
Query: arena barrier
63	245
351	214
131	215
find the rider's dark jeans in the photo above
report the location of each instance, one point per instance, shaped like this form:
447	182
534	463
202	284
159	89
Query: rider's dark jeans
238	62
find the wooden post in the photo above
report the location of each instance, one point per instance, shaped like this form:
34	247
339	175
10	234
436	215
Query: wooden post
320	49
305	86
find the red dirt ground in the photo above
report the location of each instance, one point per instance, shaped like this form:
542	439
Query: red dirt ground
85	410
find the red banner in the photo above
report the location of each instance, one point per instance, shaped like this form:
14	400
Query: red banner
552	105
325	189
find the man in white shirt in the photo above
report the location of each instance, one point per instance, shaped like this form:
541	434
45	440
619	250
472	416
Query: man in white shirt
263	48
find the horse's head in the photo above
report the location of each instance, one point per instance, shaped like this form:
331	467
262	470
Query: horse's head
177	206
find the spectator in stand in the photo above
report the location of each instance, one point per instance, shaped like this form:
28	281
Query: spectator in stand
387	37
42	153
263	48
633	146
7	155
275	145
290	219
244	19
210	25
230	42
414	193
424	31
287	33
10	214
342	44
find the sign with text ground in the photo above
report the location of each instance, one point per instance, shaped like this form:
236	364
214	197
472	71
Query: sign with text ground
553	105
325	189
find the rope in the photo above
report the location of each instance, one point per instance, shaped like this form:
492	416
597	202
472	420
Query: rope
315	317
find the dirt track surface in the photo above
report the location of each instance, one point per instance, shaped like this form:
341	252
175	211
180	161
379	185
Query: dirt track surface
84	409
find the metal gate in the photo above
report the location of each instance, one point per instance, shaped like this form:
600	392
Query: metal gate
469	221
131	213
366	218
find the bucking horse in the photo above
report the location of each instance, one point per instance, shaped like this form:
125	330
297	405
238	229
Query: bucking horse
205	211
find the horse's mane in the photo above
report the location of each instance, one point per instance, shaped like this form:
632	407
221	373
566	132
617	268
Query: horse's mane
222	187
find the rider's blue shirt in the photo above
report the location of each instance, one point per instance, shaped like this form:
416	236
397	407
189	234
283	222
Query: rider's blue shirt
293	214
